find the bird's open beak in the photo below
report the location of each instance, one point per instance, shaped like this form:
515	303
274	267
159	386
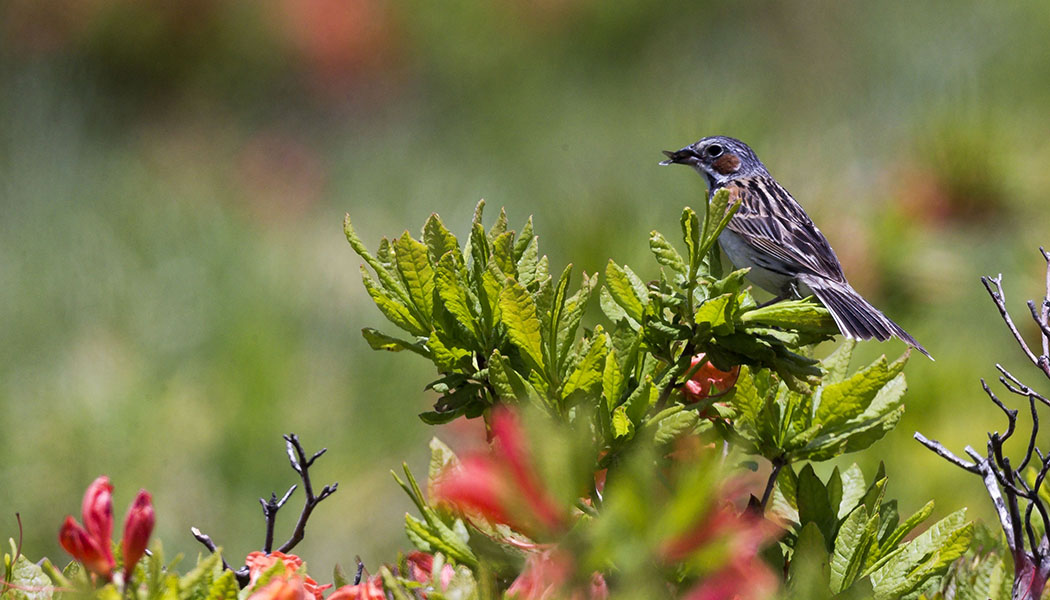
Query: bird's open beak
685	156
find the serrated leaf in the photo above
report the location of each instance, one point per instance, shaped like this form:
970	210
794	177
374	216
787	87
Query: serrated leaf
518	313
389	281
439	240
621	423
413	265
613	381
714	312
623	286
850	550
691	234
396	312
587	374
665	253
503	254
674	426
927	555
525	239
906	527
446	355
613	311
528	262
836	365
204	571
839	402
452	291
853	488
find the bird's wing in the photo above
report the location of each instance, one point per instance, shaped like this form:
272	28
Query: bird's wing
773	223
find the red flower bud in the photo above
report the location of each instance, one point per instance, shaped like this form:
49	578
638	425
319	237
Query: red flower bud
708	381
85	549
137	528
97	512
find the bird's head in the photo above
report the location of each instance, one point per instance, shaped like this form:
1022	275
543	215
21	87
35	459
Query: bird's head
718	158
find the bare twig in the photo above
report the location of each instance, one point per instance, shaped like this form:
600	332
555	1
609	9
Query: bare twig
1000	302
300	464
778	463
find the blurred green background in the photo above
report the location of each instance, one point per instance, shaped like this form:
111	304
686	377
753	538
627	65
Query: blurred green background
176	291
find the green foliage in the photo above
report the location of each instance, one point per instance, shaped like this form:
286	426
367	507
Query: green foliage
850	539
843	414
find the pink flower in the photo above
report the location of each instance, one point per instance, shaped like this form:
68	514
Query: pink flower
548	575
137	528
503	484
281	588
371	589
90	545
708	381
421	567
260	562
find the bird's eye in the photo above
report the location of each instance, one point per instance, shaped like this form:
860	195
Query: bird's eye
714	150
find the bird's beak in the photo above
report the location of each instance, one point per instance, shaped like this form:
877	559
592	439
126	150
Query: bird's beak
685	156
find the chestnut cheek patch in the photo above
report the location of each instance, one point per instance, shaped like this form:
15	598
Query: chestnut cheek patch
727	164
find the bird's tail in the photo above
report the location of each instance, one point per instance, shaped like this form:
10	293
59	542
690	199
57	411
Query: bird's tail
855	316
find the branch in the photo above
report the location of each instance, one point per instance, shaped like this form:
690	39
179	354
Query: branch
301	464
778	463
241	574
939	449
999	299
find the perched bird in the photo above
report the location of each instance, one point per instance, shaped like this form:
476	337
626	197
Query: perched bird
773	235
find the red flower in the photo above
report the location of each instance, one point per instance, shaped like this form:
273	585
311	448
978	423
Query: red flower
743	575
708	381
547	575
90	545
421	567
260	562
371	589
137	528
502	485
281	588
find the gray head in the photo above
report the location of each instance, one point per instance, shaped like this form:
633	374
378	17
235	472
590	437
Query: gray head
719	159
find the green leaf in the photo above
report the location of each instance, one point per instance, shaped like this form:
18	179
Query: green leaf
675	425
622	424
28	581
853	488
528	262
385	277
691	235
225	587
518	313
665	253
842	401
416	272
804	315
452	290
439	240
814	505
810	569
715	312
508	383
906	527
626	289
203	573
587	374
851	548
396	312
836	365
447	356
926	556
503	254
380	341
613	381
526	239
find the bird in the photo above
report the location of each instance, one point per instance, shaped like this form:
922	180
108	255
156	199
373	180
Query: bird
772	234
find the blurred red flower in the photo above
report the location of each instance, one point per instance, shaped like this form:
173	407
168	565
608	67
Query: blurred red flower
281	588
91	544
709	381
371	589
502	484
260	562
548	575
421	567
137	528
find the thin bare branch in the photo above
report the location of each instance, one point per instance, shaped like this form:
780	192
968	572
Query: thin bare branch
301	464
1000	303
939	449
